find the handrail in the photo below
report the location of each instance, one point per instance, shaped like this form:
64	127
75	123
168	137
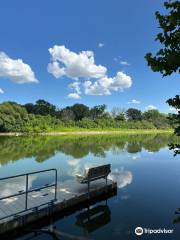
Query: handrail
29	173
27	191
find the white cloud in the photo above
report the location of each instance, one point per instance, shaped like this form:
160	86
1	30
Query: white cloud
81	66
75	86
54	68
117	59
174	110
74	65
104	86
100	45
16	70
1	91
77	91
151	107
134	101
125	63
74	96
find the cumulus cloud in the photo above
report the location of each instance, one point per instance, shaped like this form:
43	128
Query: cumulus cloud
16	70
77	91
151	107
74	65
134	101
173	110
100	45
74	96
105	85
82	67
125	63
1	91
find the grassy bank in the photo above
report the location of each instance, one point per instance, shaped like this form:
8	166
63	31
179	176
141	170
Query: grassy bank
82	131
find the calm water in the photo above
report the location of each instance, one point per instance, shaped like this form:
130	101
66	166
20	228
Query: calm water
147	174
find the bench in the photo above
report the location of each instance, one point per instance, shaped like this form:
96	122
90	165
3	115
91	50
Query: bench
94	173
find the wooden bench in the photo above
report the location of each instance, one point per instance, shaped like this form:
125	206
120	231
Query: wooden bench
94	173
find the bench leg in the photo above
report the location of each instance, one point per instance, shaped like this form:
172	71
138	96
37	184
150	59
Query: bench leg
88	189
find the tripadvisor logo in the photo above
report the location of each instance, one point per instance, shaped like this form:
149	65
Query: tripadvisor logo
139	231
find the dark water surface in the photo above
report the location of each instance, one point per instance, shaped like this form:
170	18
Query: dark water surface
147	173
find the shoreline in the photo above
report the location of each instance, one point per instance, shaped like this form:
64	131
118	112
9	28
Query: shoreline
87	132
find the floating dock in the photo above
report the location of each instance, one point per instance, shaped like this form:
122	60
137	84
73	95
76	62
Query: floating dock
59	199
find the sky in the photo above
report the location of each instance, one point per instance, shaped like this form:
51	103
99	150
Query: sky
89	52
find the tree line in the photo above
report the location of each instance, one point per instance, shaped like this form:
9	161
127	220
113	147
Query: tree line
44	116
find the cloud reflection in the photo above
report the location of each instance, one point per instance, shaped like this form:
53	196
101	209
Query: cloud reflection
122	177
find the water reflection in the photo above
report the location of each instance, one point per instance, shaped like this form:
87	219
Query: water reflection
92	219
122	177
93	216
44	147
13	186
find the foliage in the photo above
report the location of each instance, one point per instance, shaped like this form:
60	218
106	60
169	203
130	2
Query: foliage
175	103
167	59
16	118
22	147
134	114
97	111
80	111
41	107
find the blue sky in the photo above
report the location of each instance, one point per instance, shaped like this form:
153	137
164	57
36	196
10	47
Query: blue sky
117	33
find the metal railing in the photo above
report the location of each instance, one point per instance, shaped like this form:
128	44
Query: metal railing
27	191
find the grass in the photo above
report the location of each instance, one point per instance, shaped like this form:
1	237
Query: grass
79	131
84	131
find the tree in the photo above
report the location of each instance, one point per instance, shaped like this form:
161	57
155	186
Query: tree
151	115
167	59
120	117
80	111
134	114
67	115
97	111
159	120
175	102
41	107
118	114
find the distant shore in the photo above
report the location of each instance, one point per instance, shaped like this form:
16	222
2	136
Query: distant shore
90	132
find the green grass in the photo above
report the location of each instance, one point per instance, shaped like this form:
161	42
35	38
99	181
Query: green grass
84	131
115	130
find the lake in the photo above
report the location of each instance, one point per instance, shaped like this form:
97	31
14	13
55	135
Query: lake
147	174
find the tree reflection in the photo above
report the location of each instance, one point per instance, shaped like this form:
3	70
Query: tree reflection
44	147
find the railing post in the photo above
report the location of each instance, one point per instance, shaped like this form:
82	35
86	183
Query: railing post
56	185
88	188
26	191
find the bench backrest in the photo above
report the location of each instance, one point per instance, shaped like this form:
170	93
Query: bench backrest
99	172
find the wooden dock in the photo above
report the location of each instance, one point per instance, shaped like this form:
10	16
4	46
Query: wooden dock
59	200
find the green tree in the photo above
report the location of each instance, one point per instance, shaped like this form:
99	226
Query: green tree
134	114
80	111
160	120
67	115
167	59
120	117
97	111
41	107
175	102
